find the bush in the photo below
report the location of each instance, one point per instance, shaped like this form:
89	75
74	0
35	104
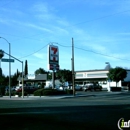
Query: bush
38	92
45	92
16	93
2	90
20	94
68	91
12	94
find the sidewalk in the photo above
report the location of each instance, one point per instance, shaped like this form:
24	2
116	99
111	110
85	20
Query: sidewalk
61	96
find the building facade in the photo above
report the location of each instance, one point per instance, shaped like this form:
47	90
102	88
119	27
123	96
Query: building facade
100	76
33	79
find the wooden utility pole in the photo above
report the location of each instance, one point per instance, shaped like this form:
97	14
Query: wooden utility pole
73	73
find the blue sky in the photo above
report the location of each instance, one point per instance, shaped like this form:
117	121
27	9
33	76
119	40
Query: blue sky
100	28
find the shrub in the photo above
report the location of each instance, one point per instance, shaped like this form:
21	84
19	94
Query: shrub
2	90
68	91
20	94
16	93
45	92
12	93
38	92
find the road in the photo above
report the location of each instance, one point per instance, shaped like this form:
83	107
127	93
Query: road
96	111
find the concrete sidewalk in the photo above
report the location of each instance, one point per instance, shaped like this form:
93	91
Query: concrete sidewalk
60	96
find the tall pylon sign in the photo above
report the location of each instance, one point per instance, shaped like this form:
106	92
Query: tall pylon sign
53	57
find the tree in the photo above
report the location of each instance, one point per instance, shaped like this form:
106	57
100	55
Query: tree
117	74
64	75
49	75
40	71
26	68
17	73
0	72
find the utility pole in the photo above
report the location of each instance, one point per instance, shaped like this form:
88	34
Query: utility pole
73	73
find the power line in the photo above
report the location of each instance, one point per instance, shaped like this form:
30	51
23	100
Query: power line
95	52
76	48
101	54
34	52
28	37
101	17
63	45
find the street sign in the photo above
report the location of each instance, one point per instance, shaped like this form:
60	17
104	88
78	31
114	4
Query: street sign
7	60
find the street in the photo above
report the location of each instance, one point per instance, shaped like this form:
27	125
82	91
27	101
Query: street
96	111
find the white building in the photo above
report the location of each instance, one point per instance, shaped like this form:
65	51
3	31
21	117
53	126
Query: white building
100	76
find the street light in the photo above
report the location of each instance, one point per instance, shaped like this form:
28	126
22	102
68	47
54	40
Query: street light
108	68
9	66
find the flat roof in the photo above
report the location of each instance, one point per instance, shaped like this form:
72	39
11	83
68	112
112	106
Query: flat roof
96	70
91	70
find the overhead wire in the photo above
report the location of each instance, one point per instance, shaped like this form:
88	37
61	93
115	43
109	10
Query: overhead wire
76	48
102	54
33	52
28	37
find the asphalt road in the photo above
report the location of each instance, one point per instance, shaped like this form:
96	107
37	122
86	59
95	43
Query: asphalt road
97	111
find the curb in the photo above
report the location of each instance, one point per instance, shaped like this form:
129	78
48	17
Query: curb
58	97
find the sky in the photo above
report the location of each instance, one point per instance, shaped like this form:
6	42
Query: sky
100	29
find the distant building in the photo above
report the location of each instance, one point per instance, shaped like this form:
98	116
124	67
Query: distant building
33	79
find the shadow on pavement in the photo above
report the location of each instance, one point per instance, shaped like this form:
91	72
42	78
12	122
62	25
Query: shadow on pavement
64	118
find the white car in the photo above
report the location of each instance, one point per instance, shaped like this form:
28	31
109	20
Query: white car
18	87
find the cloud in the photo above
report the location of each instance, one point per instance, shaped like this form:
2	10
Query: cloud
124	34
3	21
40	55
123	6
41	7
98	48
63	22
38	27
43	11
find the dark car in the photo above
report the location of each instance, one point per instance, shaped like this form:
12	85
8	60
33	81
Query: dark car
29	90
92	86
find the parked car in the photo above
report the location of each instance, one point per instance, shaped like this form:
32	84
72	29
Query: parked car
17	87
77	87
13	88
28	89
92	86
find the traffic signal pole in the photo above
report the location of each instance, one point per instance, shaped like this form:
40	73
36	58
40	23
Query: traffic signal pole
22	72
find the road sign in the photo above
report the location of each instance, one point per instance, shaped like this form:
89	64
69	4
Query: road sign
7	60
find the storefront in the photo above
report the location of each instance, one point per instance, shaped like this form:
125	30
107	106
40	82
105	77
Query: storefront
100	76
